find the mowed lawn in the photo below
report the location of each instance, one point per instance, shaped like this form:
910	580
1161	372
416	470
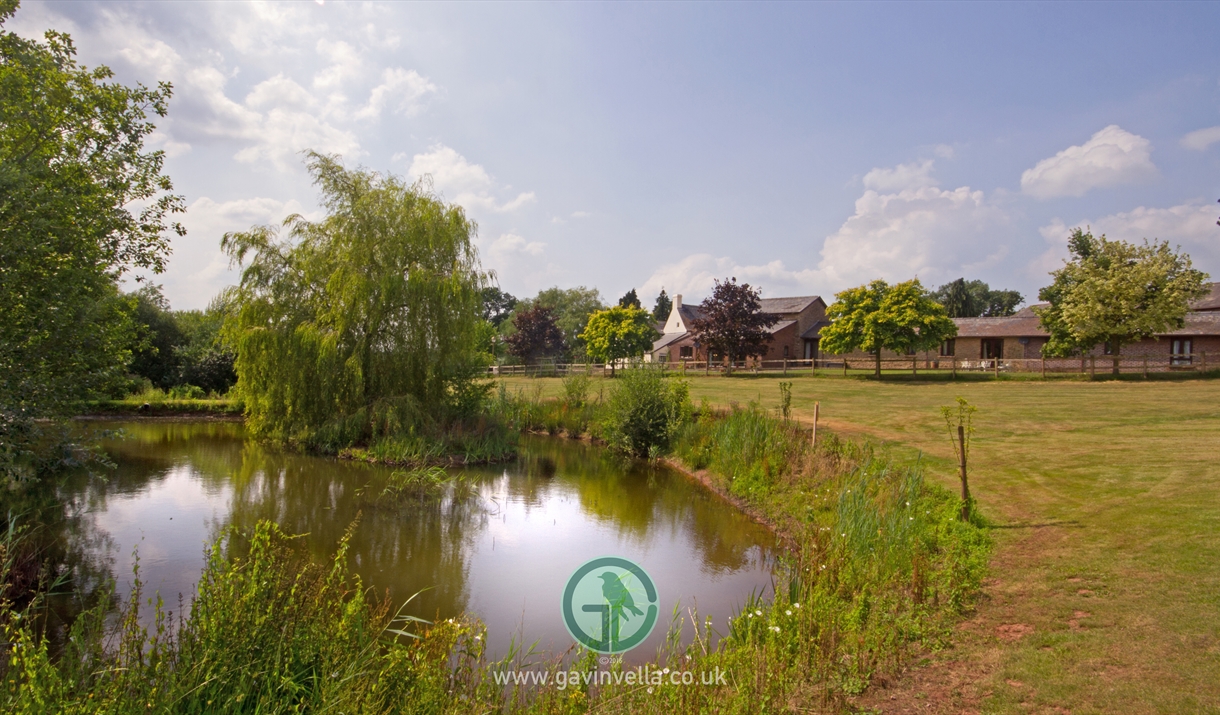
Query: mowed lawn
1105	587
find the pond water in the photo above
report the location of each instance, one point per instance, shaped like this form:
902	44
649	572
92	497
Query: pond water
503	552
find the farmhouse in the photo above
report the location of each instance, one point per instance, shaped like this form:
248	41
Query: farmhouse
794	336
1015	337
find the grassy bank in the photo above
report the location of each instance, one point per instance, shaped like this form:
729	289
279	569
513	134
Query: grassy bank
1104	594
879	568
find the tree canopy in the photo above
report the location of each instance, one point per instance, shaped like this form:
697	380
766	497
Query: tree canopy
363	321
537	335
81	203
663	307
733	323
1116	292
630	300
572	308
618	333
497	305
975	299
902	317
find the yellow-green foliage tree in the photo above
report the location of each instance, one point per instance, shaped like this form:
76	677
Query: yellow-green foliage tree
618	333
1116	292
363	323
902	317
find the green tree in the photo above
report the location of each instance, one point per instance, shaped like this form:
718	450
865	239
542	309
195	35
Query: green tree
733	322
663	308
974	299
630	300
363	323
1116	292
572	308
154	354
81	203
618	333
497	305
902	317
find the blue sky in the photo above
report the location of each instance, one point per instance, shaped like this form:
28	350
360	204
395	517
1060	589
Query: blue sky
804	148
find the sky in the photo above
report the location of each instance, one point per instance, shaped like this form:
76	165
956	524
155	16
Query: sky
802	148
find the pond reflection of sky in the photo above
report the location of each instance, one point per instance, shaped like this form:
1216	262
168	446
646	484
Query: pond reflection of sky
503	554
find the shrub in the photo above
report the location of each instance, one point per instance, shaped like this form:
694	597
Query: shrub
644	413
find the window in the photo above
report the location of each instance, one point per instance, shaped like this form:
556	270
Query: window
1108	348
686	352
992	349
1180	351
785	352
948	348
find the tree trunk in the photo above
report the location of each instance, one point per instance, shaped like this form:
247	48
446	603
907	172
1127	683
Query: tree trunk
877	372
1117	348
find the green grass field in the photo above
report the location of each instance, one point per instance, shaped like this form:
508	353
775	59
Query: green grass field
1105	587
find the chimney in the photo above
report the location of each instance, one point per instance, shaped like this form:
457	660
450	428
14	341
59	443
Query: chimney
678	300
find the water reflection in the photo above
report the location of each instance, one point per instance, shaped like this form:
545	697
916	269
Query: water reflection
502	552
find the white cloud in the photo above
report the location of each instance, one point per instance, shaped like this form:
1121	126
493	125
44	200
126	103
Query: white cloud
1191	225
1201	139
919	231
508	245
402	88
1111	157
469	183
903	176
581	214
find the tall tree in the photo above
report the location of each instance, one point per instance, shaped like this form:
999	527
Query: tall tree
359	321
154	355
537	335
1116	292
618	333
902	317
733	322
630	300
81	203
973	299
572	308
497	305
663	308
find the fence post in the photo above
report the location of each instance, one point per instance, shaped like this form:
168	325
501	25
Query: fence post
844	366
1092	367
1204	361
997	367
914	364
785	367
816	405
1043	366
961	453
953	360
1145	367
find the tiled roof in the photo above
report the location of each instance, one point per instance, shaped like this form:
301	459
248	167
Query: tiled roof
780	326
787	305
667	339
815	329
1028	311
1011	327
1018	326
1210	301
689	312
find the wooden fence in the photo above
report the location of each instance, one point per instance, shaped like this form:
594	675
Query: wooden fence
1090	365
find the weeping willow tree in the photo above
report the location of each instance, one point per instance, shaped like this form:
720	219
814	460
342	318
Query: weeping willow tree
361	324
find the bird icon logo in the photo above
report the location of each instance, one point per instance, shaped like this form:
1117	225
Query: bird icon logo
610	605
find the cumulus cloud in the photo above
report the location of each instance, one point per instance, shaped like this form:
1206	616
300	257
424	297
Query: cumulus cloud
1191	225
468	184
1201	139
401	89
1111	157
903	176
914	228
510	244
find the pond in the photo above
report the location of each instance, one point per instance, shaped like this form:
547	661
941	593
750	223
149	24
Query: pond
502	551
